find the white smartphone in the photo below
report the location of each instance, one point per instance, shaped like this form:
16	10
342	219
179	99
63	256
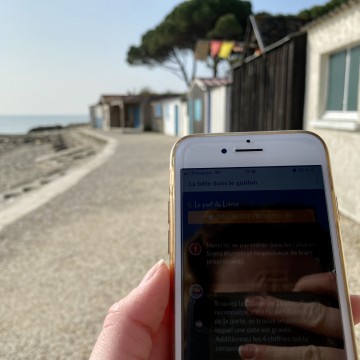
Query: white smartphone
255	249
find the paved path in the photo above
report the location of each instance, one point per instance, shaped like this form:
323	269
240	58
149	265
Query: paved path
65	263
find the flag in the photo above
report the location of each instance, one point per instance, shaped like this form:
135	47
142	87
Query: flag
202	49
215	47
226	48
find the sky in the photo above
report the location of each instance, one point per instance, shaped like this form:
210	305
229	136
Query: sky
58	57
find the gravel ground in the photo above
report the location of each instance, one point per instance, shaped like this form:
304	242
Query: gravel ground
64	264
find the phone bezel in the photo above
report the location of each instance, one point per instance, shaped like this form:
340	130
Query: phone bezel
289	148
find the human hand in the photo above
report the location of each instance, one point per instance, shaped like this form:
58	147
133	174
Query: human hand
313	317
137	327
325	283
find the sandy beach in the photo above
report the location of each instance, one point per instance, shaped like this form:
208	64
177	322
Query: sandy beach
29	161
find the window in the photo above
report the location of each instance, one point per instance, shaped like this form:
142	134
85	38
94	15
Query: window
158	110
197	110
343	80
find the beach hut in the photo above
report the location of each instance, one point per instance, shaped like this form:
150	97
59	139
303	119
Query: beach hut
209	105
97	117
123	111
128	112
174	116
332	97
157	120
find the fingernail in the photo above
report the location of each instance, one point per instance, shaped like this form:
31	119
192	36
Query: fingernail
254	303
247	352
152	271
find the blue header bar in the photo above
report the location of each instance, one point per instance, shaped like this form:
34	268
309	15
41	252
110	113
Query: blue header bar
252	178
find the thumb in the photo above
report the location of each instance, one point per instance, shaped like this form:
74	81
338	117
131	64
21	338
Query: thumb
132	323
355	305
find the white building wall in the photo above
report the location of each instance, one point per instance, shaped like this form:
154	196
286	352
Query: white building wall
92	110
169	117
99	116
218	109
167	112
335	33
106	117
183	120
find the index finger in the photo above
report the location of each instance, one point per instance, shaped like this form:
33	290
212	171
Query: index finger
308	316
324	283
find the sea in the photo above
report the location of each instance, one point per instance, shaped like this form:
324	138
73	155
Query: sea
21	124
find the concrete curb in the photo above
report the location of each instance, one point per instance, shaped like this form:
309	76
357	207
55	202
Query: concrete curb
33	200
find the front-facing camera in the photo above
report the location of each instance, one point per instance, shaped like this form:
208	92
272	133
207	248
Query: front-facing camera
224	151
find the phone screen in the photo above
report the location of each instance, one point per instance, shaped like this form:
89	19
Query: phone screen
248	234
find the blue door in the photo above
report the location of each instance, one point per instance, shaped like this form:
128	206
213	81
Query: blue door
133	116
137	116
98	123
176	120
190	116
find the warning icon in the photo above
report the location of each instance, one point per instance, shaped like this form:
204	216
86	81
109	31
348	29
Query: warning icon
195	249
